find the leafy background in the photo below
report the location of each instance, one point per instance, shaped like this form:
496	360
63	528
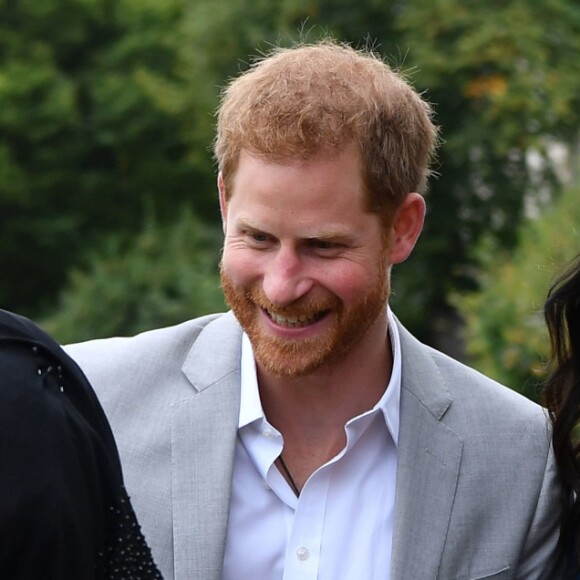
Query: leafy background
108	209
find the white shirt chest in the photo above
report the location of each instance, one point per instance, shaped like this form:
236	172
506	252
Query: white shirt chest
341	526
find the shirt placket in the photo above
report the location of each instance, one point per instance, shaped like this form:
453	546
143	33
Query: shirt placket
302	557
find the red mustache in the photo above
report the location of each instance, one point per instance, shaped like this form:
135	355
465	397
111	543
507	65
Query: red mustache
302	307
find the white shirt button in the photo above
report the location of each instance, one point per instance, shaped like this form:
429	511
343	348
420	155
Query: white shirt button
269	433
302	553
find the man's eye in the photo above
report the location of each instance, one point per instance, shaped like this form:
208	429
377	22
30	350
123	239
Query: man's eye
258	237
324	245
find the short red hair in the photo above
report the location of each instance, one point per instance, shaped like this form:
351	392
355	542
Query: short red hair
313	99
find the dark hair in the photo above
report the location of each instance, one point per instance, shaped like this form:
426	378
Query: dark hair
64	510
562	396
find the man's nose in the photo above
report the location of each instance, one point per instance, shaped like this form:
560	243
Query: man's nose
286	277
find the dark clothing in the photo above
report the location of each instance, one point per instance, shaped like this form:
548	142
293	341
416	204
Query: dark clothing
64	512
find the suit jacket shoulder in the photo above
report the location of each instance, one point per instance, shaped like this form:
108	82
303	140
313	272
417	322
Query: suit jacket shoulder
446	387
477	491
172	398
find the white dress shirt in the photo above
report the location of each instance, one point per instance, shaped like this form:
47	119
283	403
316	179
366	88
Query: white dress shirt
341	526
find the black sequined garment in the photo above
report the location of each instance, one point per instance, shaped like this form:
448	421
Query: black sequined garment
64	512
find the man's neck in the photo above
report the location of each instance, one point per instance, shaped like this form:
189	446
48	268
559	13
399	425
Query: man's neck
311	411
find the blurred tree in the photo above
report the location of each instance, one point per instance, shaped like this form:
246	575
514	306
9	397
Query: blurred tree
166	275
505	332
84	149
106	109
504	78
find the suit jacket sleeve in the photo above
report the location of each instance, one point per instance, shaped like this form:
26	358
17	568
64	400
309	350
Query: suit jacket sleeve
539	555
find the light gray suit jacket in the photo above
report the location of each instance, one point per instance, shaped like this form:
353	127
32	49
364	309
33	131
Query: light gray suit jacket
476	496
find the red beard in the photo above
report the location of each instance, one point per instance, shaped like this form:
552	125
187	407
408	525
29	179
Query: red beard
299	357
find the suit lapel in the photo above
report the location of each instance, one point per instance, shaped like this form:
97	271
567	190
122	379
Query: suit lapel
429	456
203	436
204	431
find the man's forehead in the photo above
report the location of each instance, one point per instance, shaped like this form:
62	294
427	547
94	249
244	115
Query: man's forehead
303	155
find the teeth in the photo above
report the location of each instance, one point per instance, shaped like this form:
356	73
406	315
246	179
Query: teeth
292	321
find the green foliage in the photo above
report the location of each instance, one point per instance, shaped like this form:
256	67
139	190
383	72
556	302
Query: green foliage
504	80
505	330
503	77
106	113
168	274
84	148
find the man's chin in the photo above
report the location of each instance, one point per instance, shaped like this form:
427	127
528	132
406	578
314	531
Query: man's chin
284	370
291	360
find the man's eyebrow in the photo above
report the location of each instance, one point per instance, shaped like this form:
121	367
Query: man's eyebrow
245	224
331	236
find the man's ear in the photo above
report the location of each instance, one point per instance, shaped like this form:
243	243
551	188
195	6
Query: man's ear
406	227
223	203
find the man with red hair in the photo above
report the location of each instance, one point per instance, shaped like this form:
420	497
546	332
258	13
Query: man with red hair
306	433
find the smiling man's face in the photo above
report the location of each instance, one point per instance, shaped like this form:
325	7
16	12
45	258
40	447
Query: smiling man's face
304	267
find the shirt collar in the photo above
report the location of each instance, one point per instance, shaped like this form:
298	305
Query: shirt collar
251	406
